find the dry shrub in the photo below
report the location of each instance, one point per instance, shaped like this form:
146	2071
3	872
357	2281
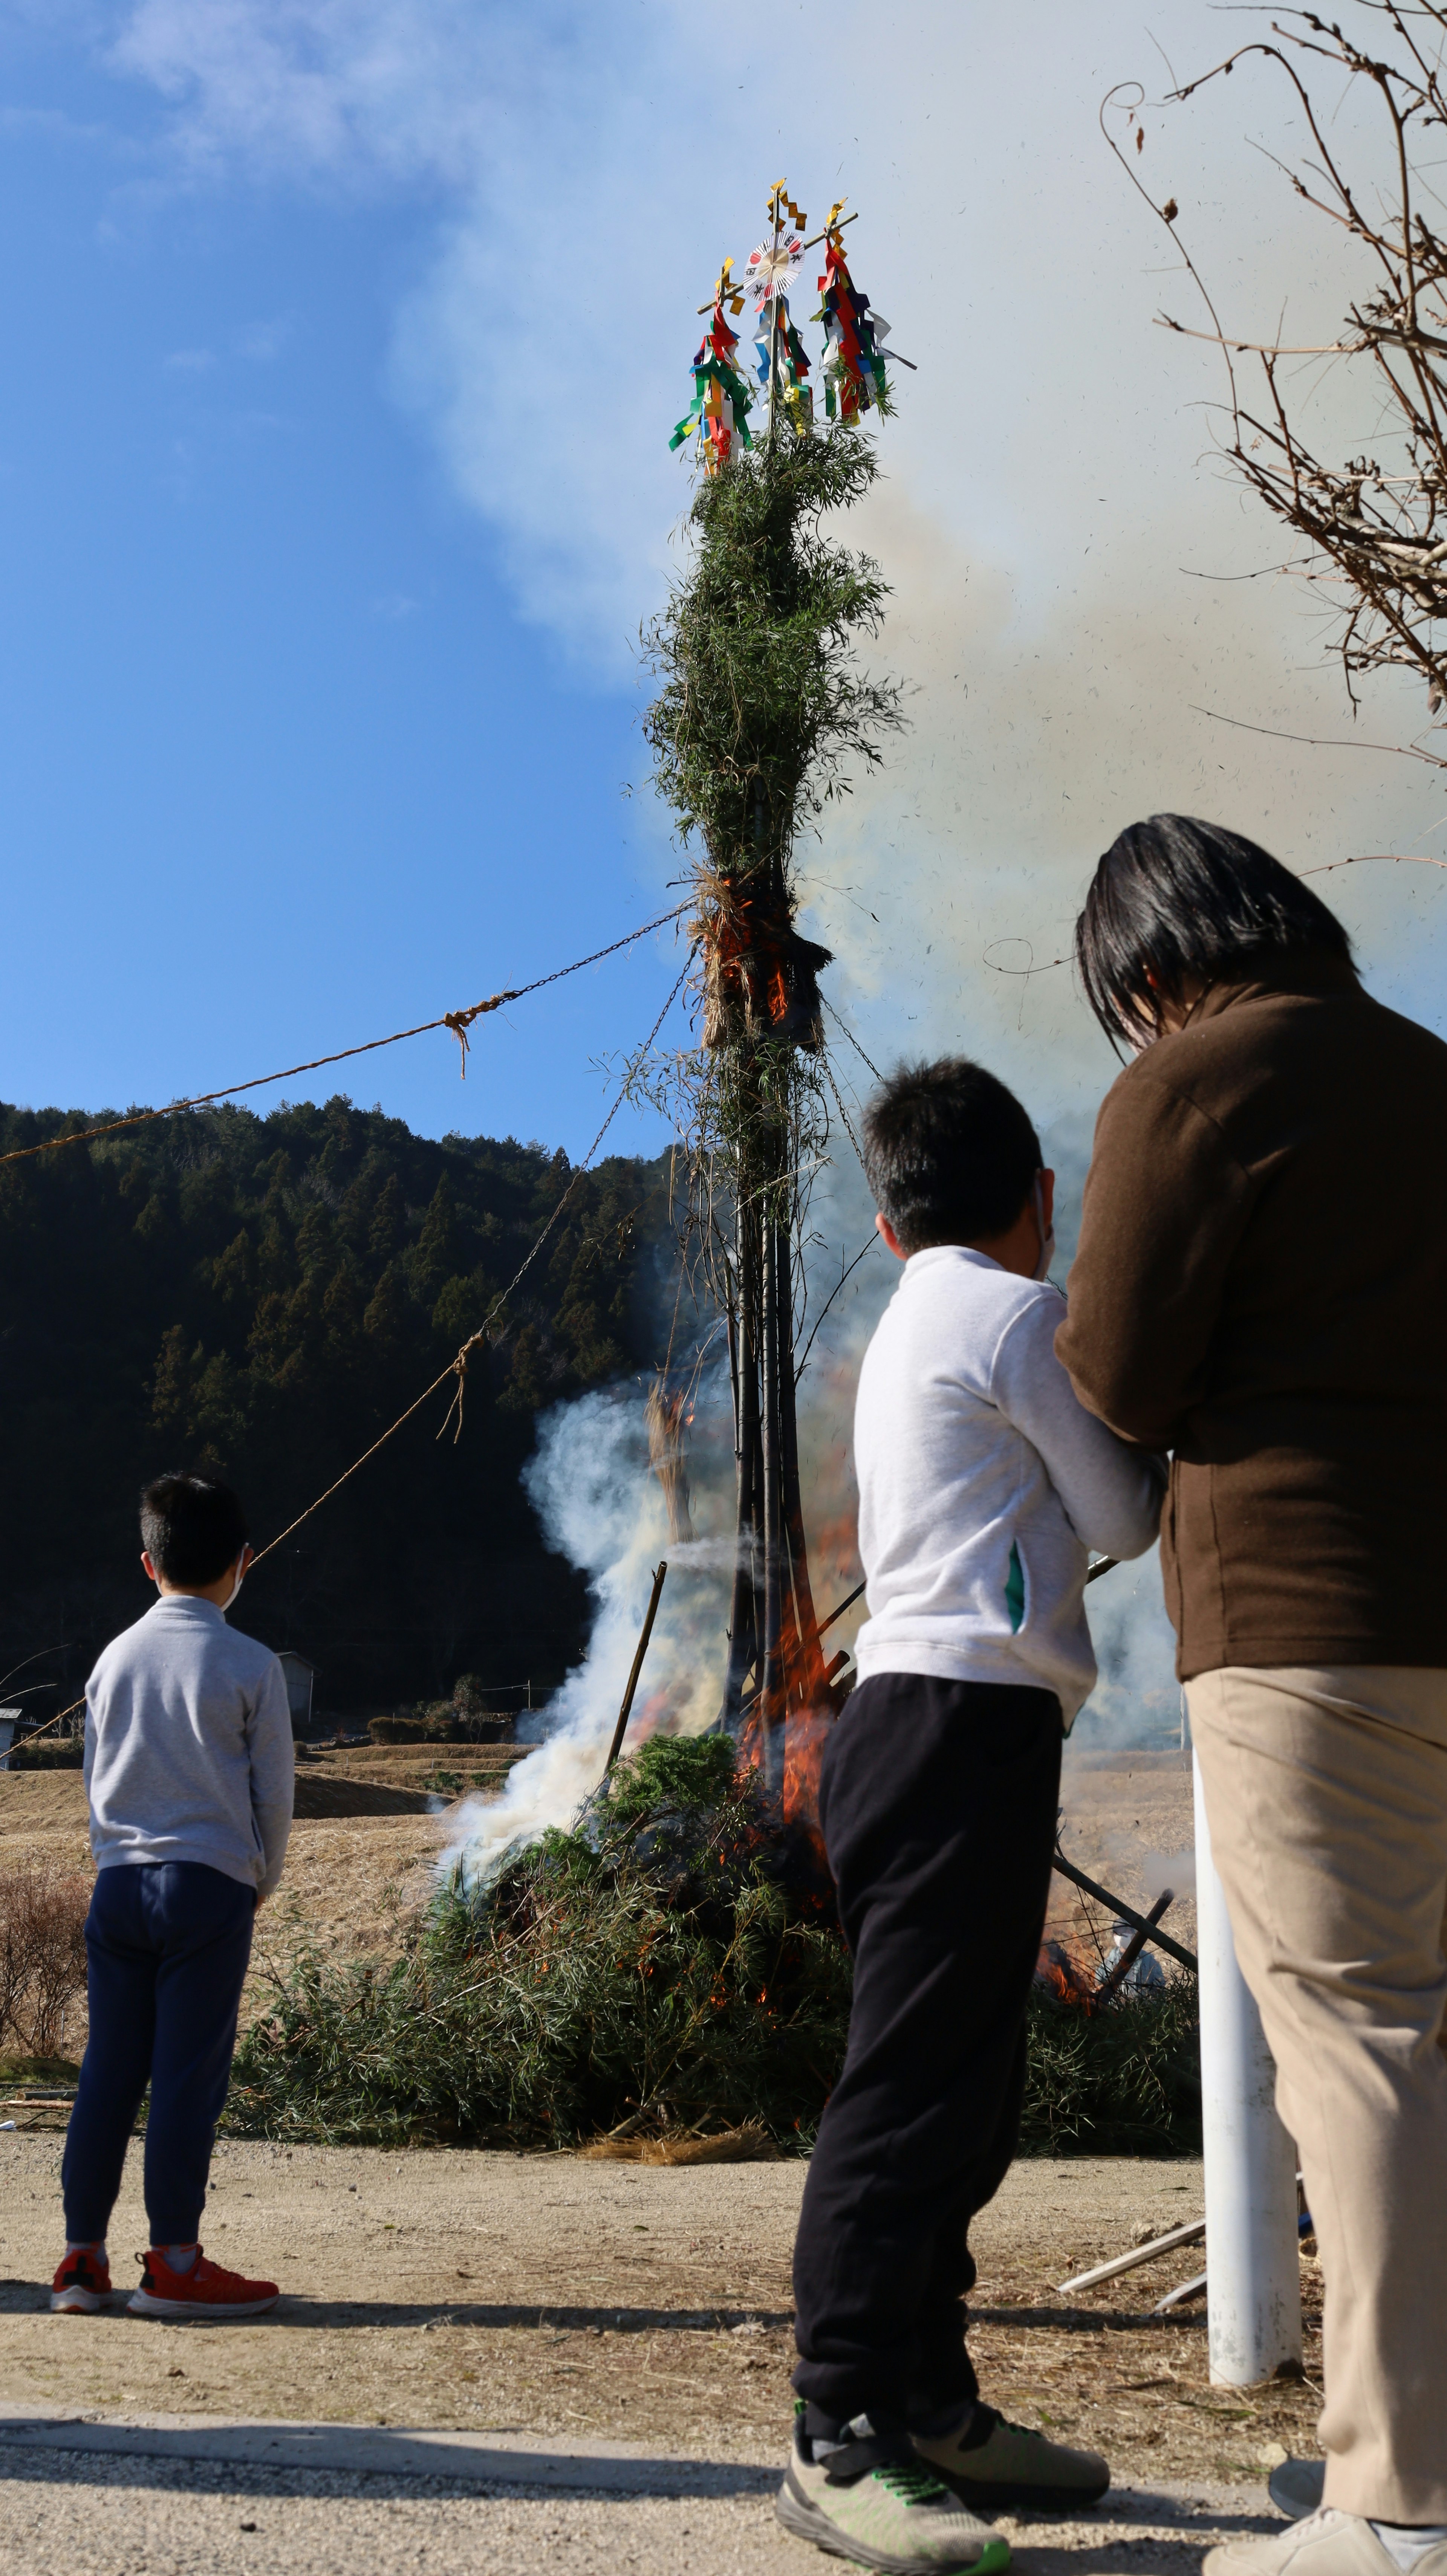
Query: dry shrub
42	1953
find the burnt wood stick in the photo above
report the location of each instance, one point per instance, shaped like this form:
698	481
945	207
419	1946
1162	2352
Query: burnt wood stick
1126	1913
846	1604
626	1711
1133	1948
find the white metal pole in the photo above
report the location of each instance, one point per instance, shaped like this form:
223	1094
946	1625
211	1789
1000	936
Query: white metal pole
1253	2267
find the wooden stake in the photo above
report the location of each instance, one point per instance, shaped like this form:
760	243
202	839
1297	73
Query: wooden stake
626	1711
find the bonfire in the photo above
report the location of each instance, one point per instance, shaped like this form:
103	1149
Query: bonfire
667	1973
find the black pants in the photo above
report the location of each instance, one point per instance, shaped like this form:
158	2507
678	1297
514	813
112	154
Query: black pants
167	1945
938	1803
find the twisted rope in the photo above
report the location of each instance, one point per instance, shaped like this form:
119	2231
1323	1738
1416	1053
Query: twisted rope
849	1033
457	1367
458	1022
843	1112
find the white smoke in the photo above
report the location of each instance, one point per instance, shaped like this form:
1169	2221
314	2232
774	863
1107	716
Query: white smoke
599	1505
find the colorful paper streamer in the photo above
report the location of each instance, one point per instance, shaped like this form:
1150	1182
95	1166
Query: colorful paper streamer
854	374
721	395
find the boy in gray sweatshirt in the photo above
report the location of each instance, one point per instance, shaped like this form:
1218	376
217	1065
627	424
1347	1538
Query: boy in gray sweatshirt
983	1482
189	1771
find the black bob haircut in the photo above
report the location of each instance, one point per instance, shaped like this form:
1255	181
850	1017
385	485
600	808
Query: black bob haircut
192	1528
1188	900
950	1153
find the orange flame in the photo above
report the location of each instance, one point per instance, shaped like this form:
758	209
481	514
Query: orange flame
1068	1973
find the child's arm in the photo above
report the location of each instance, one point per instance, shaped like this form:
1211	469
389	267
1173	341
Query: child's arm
1112	1492
273	1773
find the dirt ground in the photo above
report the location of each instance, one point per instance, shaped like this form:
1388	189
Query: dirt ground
543	2293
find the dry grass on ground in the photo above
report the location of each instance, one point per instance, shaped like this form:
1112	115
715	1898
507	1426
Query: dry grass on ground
349	1889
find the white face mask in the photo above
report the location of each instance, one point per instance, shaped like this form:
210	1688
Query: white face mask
1047	1235
230	1601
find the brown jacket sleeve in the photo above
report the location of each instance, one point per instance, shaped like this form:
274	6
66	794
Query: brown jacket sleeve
1166	1203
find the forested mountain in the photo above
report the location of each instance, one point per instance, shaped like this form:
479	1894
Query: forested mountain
262	1296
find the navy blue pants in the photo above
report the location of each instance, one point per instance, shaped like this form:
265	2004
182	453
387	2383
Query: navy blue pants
938	1802
167	1945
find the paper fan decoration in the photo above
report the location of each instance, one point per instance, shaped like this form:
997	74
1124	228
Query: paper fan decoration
721	395
854	376
772	268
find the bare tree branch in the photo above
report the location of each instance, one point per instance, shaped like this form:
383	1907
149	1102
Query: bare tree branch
1376	523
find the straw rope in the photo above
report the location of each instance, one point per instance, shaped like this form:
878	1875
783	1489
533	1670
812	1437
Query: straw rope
458	1022
849	1033
457	1366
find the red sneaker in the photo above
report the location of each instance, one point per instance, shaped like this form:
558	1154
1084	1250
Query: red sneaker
80	2285
204	2291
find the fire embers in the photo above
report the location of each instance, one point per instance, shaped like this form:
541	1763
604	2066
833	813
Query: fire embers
760	979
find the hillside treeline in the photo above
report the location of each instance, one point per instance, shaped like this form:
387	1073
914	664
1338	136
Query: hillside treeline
262	1296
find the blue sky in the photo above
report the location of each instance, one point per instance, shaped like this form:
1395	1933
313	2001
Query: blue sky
342	342
283	767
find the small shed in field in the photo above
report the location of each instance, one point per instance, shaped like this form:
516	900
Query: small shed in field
300	1678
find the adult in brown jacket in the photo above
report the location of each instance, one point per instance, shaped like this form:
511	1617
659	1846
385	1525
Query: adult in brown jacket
1261	1287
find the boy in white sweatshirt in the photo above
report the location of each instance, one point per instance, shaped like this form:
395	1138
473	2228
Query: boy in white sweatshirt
983	1484
189	1773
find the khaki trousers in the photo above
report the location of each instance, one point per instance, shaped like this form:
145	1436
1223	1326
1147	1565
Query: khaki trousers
1326	1793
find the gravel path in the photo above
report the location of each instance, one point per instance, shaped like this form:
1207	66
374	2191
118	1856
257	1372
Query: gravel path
138	2511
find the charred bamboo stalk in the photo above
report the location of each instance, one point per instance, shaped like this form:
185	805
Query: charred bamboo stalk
626	1711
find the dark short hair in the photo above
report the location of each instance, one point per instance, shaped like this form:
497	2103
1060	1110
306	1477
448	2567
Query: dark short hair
950	1153
192	1527
1188	900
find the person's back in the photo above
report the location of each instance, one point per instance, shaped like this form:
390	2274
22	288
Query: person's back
982	1481
189	1772
975	1547
188	1751
1259	1206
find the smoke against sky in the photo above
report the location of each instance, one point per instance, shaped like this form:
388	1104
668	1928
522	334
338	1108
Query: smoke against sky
1070	560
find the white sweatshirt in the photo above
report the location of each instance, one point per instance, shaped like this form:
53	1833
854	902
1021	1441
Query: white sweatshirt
188	1750
983	1482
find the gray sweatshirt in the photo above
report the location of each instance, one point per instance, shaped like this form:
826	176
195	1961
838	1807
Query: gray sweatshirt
188	1750
983	1482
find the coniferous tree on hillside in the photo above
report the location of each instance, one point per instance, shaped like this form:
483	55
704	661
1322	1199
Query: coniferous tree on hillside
263	1296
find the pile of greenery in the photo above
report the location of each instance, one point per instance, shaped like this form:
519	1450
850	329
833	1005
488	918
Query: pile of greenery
643	1968
263	1296
664	1967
